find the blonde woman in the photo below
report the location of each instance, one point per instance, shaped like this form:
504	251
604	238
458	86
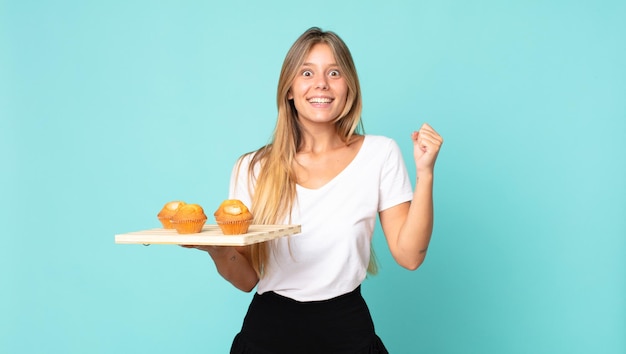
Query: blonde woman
322	172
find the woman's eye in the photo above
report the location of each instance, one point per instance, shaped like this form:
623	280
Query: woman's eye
307	73
334	73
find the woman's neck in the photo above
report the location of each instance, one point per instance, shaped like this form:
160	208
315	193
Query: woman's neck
320	139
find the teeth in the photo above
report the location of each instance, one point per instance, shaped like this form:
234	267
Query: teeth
319	100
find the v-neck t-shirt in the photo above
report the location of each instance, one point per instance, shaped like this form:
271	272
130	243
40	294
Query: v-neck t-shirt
331	254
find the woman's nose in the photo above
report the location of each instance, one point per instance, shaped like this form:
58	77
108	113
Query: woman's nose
321	83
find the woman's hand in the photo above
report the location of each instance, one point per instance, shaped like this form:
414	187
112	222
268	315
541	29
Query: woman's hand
426	145
214	251
233	264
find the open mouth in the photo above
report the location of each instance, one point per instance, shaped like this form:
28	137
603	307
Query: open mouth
320	100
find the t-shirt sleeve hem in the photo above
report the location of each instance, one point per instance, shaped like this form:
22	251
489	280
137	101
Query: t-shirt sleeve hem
407	197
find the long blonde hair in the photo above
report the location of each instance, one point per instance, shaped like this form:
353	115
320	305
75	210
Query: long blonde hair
275	184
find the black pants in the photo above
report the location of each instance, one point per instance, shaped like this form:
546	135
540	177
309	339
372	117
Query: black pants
275	324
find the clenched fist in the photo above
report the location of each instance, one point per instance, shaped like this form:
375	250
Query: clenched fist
426	145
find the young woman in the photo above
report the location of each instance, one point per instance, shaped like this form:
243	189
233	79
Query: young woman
322	172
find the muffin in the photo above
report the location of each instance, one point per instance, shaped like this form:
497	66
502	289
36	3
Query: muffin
233	217
189	219
169	209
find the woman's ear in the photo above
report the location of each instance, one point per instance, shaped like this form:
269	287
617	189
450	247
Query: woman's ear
289	95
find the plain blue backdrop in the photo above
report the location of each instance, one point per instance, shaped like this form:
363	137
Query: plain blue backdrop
109	109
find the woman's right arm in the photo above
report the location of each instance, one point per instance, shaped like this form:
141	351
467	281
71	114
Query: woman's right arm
233	264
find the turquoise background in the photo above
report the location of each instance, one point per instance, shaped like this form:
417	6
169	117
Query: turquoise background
109	109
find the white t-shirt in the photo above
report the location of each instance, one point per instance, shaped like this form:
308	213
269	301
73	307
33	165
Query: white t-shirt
330	256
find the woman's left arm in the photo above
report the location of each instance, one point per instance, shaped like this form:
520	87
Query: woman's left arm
408	226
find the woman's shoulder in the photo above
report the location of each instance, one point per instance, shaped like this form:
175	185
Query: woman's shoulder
379	140
254	155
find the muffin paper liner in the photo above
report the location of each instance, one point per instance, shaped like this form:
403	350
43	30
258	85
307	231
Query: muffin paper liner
188	226
233	227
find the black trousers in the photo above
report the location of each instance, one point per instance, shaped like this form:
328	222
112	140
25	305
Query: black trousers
276	324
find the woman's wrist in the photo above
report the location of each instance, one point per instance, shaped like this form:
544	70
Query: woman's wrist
426	175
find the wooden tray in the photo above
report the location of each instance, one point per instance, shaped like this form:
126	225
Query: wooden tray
210	235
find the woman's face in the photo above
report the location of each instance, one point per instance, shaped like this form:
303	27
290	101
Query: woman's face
319	90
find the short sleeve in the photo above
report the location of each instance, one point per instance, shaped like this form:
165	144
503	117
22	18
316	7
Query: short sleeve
395	186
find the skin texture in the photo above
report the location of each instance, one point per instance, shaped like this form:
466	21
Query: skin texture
319	95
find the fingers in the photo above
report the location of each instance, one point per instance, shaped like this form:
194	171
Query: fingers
427	136
428	133
198	247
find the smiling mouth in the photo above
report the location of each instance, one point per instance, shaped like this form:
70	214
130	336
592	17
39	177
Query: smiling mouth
320	100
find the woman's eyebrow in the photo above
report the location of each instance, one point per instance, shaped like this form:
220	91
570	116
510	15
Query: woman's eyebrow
311	64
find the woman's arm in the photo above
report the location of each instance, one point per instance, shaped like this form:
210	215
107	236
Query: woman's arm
233	264
408	226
